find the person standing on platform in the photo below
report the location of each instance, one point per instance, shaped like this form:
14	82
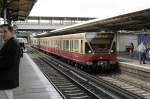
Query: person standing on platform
22	48
142	53
9	63
131	49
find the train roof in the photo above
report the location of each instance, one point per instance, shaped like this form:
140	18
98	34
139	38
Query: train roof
73	36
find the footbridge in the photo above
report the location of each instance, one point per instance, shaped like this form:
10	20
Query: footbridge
38	23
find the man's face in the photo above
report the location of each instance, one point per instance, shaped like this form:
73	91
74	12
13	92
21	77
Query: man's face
4	33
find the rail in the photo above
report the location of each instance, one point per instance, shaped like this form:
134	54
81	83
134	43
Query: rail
99	88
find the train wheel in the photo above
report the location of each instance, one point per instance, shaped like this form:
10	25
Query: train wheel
72	63
68	62
89	69
76	65
82	67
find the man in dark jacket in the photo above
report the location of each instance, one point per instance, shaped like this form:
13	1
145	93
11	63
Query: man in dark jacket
9	63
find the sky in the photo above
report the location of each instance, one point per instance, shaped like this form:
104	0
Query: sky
87	8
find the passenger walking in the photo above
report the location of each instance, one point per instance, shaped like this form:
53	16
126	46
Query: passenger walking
22	48
131	49
142	53
9	63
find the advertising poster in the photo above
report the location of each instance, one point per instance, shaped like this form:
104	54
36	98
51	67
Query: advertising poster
146	40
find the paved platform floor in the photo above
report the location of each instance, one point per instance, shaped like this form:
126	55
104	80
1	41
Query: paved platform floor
124	58
33	84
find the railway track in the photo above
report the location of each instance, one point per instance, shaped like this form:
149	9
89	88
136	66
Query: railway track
127	86
75	84
64	85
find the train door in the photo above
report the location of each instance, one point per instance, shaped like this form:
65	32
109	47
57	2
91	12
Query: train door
39	43
82	47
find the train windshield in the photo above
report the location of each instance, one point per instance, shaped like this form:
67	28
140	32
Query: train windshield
99	42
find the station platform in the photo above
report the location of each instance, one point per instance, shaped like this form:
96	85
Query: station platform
33	83
132	62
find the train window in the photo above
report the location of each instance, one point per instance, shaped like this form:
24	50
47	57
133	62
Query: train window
114	46
63	44
71	45
46	42
101	45
76	46
87	48
51	43
100	42
59	44
56	45
67	45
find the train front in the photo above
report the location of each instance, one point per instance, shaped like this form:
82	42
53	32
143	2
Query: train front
101	50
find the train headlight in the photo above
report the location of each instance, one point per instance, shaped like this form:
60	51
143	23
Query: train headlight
89	63
112	62
102	63
111	51
89	51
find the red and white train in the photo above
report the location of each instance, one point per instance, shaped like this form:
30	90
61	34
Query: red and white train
89	50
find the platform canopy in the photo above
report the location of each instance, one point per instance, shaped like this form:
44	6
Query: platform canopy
16	9
131	22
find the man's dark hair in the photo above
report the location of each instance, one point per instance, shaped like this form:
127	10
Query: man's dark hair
10	28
